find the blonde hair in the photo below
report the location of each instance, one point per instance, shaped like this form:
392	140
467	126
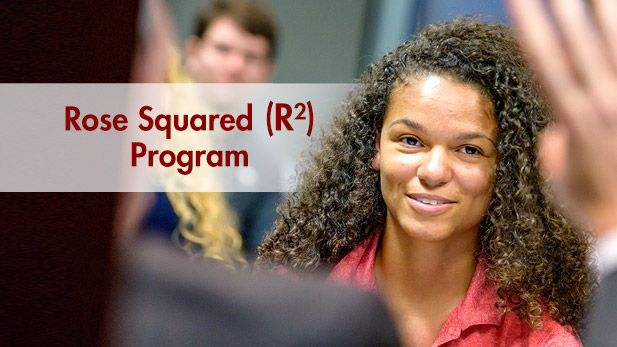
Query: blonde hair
206	225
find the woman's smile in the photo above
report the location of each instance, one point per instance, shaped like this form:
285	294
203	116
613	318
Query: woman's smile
429	203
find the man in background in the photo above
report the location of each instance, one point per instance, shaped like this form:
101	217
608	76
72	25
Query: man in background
234	42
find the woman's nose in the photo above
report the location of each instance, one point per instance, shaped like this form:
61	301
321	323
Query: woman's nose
435	169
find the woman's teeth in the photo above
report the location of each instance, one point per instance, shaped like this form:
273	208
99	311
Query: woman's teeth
432	202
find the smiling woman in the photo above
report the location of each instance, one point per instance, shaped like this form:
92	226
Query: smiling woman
435	155
426	190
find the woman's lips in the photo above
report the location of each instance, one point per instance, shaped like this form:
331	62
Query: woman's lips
429	203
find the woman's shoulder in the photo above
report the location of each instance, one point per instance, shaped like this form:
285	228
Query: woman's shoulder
555	334
550	334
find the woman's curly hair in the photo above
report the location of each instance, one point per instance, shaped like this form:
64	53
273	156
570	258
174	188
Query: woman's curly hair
537	259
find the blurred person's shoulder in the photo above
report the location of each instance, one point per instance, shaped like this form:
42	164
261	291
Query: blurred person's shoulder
166	299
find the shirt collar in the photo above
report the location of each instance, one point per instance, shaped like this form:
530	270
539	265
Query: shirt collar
477	308
356	268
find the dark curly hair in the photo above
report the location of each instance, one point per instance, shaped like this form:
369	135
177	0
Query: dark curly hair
537	259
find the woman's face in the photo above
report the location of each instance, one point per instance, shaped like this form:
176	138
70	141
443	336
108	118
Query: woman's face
435	155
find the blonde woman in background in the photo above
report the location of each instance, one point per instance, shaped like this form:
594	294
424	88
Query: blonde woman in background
206	226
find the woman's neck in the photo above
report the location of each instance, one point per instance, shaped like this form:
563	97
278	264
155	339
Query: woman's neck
423	280
420	264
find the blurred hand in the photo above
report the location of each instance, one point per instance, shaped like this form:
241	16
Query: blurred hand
575	56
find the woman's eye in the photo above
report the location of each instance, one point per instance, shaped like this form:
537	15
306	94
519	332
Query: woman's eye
410	141
471	150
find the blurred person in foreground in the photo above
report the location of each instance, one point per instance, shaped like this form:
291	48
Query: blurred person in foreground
575	54
426	190
164	299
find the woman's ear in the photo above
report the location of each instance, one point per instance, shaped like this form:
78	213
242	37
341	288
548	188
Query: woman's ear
377	157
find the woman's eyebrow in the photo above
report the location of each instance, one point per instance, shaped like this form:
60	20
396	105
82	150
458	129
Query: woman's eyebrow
471	136
409	123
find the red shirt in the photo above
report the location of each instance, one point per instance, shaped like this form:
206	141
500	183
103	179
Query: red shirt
475	321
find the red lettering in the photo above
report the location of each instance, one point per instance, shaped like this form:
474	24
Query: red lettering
106	123
163	127
172	158
91	122
219	158
188	159
135	154
95	122
120	122
151	155
282	118
144	116
71	120
212	118
202	122
248	117
226	120
187	163
236	155
198	155
184	125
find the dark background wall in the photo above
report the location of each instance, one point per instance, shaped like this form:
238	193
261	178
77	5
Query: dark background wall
55	247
